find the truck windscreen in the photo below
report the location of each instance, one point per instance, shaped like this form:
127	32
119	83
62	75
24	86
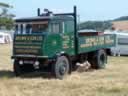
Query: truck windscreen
39	28
30	28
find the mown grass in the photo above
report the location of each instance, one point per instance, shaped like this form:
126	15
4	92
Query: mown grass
112	81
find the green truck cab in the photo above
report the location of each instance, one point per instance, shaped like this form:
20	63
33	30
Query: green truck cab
51	43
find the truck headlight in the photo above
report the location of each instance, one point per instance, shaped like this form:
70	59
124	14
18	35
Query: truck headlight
37	63
21	62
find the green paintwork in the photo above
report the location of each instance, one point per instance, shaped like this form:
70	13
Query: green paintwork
52	44
57	43
49	45
92	43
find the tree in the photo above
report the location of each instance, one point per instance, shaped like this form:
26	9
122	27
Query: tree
6	18
4	5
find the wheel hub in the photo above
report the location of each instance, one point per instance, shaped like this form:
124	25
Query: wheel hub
62	70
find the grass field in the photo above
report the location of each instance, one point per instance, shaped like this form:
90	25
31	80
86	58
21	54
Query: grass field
112	81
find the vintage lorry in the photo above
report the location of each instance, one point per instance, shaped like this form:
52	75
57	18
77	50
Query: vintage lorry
51	43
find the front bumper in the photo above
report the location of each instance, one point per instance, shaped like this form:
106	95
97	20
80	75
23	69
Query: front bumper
28	56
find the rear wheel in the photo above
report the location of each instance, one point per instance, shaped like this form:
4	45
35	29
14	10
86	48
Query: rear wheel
61	67
99	59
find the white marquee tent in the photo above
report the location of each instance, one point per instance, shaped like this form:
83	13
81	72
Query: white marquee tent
5	38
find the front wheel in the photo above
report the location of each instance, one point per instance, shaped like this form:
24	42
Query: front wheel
61	67
17	68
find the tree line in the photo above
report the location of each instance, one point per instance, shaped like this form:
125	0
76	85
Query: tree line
100	25
96	25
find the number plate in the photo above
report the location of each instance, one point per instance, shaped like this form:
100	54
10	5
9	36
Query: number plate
28	62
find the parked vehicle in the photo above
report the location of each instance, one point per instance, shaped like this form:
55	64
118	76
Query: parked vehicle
51	42
121	45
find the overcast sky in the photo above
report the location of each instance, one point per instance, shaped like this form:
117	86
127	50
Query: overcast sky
87	9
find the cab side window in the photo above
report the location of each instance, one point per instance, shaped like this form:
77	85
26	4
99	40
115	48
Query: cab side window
69	26
55	28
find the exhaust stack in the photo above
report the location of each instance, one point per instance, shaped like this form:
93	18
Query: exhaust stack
38	12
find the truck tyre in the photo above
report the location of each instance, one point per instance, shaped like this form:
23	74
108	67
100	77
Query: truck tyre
61	67
100	59
17	68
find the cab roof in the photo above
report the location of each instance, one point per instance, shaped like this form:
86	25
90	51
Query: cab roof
43	18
